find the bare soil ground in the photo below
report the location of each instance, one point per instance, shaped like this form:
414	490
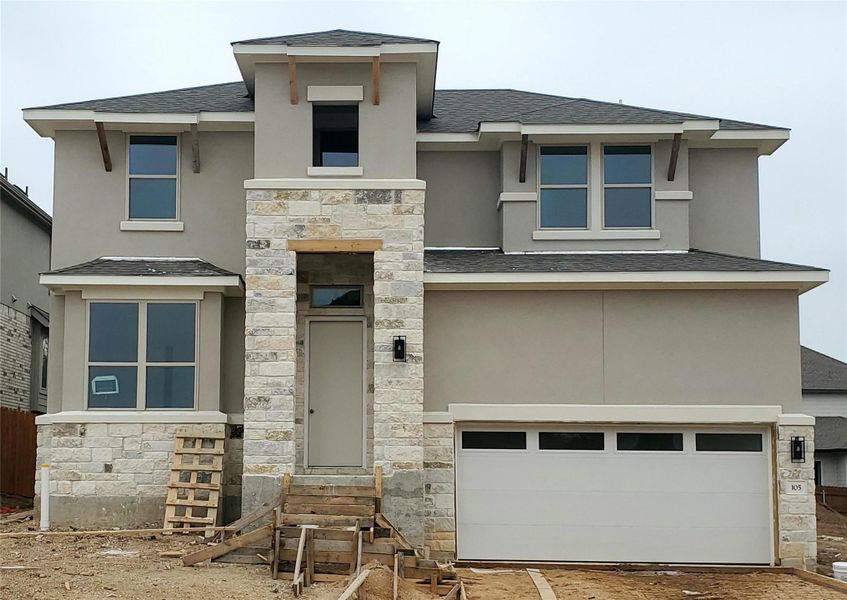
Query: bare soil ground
832	538
130	568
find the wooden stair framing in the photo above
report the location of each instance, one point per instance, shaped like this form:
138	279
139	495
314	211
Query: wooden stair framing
194	487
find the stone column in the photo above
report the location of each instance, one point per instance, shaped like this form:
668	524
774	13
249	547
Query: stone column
439	490
797	525
270	356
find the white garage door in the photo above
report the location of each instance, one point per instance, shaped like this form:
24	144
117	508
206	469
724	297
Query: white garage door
614	495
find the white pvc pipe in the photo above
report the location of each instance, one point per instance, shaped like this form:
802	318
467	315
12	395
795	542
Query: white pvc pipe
45	497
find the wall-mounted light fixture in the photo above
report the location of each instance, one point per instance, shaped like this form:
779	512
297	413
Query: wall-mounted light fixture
798	449
399	348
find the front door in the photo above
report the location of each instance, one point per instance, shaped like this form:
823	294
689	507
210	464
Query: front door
335	392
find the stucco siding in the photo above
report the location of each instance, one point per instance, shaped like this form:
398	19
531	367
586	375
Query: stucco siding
284	130
90	203
24	253
725	208
461	200
616	347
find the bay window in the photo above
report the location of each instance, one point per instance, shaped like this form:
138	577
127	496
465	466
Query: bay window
142	355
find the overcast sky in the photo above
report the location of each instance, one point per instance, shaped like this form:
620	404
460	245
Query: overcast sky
777	63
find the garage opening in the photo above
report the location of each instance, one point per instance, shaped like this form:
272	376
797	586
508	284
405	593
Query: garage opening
614	494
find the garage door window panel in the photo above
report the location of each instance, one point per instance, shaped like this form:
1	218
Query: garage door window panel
728	442
494	440
571	440
649	442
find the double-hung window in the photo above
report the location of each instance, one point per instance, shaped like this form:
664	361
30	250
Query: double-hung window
335	135
153	177
564	187
142	355
627	187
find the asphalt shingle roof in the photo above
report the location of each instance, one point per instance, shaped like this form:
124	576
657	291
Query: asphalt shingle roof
822	373
455	111
160	267
337	37
830	433
495	261
463	110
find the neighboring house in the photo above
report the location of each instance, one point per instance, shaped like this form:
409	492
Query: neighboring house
24	334
545	318
24	303
825	398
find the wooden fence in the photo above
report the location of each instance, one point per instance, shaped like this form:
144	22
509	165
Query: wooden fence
833	497
17	452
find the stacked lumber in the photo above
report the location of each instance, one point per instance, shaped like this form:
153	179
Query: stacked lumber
194	487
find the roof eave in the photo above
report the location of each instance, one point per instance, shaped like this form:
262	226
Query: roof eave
46	121
59	283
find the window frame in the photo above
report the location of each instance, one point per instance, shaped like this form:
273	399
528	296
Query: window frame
571	430
129	176
761	435
360	287
322	167
651	186
141	362
670	431
565	186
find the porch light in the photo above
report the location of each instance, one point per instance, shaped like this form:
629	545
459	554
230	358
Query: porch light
399	347
798	449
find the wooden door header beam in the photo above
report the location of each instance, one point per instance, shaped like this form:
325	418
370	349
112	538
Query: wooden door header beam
104	147
331	246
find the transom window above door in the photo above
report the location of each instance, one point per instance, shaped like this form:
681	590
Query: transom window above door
153	177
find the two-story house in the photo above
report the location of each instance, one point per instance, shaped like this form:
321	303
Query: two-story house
545	318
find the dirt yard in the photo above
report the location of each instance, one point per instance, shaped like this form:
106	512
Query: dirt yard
130	568
832	539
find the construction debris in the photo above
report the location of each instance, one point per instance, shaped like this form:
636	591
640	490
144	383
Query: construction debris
194	488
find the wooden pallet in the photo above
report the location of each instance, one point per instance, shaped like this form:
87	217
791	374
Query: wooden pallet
194	488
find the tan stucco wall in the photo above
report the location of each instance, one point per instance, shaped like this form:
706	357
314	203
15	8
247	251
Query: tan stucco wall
615	347
461	199
725	209
520	219
386	132
24	252
89	203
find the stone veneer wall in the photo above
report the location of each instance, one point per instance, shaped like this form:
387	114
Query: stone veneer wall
439	490
332	269
394	216
15	358
798	545
115	474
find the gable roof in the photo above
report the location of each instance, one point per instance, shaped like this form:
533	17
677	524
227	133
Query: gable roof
830	433
822	373
337	37
463	110
18	198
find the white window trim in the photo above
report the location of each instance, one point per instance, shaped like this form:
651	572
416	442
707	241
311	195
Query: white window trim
335	171
129	224
566	186
595	226
141	363
334	93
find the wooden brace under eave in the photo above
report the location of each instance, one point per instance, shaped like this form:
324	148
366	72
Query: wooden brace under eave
195	149
524	144
375	75
677	139
104	147
292	80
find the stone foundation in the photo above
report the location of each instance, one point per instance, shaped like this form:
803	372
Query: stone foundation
270	384
116	474
798	546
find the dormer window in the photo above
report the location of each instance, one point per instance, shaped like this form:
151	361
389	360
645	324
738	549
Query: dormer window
335	135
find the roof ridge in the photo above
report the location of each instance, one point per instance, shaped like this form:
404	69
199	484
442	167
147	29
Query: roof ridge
337	30
185	89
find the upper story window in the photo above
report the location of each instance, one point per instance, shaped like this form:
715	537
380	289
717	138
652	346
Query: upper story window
153	177
564	186
627	187
335	135
141	355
